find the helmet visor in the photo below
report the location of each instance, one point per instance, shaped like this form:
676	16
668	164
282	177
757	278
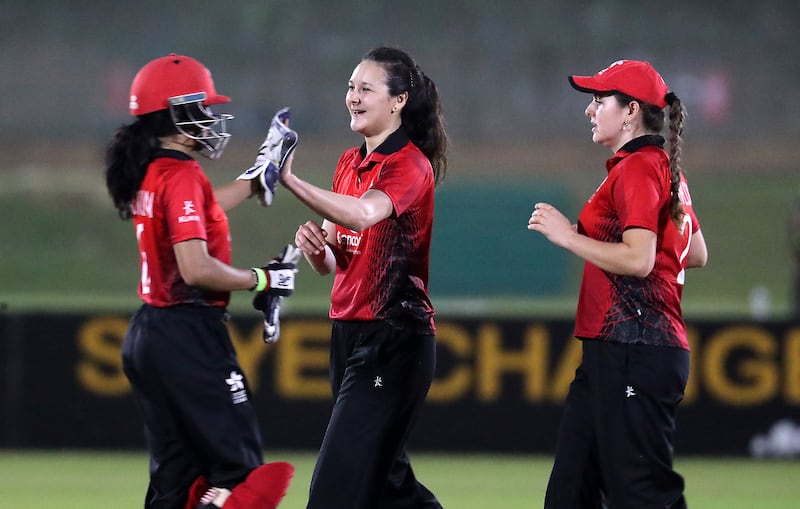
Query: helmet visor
196	121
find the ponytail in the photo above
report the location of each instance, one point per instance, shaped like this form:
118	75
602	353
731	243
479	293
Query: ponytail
422	116
128	155
677	116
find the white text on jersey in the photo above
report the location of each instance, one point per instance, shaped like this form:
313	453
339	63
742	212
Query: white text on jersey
143	205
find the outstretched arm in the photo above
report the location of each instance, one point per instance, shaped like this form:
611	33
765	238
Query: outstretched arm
348	211
231	195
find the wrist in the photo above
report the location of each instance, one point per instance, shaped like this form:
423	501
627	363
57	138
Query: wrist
287	178
571	240
260	279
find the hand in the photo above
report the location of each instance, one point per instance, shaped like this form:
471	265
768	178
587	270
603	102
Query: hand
272	154
280	278
269	301
550	222
310	238
286	170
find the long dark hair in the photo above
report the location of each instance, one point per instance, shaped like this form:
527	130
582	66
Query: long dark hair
653	121
128	154
422	116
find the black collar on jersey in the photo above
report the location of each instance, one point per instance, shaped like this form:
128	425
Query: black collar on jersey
643	141
390	145
174	154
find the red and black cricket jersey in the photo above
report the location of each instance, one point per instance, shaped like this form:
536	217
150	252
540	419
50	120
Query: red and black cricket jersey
382	271
176	203
635	194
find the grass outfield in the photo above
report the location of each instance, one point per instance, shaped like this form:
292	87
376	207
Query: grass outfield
88	480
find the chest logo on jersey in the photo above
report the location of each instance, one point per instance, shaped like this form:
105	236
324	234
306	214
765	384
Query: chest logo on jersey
350	242
189	213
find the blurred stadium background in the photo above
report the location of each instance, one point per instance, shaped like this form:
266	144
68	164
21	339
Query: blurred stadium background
517	128
518	136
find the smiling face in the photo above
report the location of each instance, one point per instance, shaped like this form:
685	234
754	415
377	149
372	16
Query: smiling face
613	124
374	112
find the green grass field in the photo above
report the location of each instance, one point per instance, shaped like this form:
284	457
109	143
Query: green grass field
89	480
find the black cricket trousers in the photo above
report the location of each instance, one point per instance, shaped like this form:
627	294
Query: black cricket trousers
615	438
194	399
380	376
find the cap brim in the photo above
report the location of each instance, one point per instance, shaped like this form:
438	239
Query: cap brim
587	84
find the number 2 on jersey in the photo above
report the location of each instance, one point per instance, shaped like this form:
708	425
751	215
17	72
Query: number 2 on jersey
686	229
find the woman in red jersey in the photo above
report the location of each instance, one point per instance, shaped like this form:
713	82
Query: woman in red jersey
375	236
200	424
637	234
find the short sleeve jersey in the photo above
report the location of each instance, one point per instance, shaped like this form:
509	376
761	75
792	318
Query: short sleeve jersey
176	203
382	271
636	194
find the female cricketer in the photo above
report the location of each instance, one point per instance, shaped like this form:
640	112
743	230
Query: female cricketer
637	234
375	236
200	425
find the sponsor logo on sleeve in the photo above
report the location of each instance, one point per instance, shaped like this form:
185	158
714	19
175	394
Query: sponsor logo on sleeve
189	213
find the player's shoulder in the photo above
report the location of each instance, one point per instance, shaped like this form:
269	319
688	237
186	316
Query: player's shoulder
347	158
168	173
647	162
410	155
171	166
647	155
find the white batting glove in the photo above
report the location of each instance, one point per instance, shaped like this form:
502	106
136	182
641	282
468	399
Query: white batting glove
269	301
265	172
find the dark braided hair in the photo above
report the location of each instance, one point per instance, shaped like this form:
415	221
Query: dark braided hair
653	120
422	116
128	155
677	116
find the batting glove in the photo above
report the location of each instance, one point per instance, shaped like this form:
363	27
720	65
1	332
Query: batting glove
269	301
265	172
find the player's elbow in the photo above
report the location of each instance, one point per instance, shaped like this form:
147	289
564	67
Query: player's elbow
192	278
196	274
641	267
370	209
696	260
642	273
698	252
636	256
361	218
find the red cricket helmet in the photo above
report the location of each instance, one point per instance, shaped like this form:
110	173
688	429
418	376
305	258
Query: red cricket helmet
183	86
168	77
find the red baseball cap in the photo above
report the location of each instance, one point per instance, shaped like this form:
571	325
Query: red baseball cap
630	77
